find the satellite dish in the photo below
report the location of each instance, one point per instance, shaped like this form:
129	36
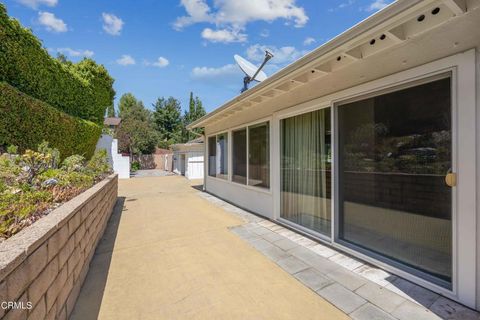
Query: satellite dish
252	72
250	69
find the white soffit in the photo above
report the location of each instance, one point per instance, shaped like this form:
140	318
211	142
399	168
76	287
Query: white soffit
403	24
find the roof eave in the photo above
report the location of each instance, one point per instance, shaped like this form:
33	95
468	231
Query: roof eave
349	35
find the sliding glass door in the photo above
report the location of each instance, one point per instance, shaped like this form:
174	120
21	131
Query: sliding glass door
395	185
306	170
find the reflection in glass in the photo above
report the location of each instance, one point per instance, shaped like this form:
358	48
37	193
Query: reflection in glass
222	156
394	152
212	150
305	170
239	156
259	156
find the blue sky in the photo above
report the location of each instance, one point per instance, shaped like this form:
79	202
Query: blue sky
167	48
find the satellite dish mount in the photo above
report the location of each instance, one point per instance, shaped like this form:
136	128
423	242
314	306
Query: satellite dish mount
252	73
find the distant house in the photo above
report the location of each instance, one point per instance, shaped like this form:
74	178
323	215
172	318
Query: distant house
369	143
188	158
112	122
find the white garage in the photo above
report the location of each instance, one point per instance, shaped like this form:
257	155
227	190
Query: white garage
188	159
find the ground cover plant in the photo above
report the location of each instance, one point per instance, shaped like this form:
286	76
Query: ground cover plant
34	183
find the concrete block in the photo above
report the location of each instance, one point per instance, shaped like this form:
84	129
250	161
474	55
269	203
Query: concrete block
381	297
410	310
370	312
342	298
275	253
39	311
285	244
347	278
292	265
57	241
323	251
312	279
57	285
40	285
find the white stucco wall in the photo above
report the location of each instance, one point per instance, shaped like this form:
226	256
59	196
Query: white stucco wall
121	164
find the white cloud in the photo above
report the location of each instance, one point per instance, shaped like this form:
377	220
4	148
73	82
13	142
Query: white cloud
34	4
212	72
223	35
51	23
161	62
342	5
75	52
126	60
308	41
281	55
234	15
112	24
377	5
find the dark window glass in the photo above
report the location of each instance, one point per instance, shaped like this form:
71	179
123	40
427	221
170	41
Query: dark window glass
305	170
394	152
212	152
239	156
259	156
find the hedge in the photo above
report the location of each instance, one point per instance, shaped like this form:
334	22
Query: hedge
81	89
26	122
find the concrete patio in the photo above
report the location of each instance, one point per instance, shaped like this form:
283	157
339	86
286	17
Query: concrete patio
173	252
169	254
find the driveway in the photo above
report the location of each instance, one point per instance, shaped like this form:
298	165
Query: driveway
169	254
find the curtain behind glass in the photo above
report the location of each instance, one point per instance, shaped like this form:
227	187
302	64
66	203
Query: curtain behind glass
222	156
305	170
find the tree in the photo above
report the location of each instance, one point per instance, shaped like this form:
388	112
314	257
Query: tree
127	101
136	133
167	120
111	111
195	112
136	137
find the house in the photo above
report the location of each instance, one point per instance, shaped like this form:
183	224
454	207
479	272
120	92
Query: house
188	158
370	144
112	122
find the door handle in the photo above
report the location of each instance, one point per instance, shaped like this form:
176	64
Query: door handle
451	179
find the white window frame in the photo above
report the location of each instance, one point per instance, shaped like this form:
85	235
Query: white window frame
464	210
230	131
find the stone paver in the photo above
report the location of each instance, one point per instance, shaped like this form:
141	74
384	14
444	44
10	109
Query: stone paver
410	310
370	312
292	265
357	288
170	254
347	278
379	296
342	298
285	244
313	279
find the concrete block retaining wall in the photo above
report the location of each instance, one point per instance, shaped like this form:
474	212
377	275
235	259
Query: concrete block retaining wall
42	268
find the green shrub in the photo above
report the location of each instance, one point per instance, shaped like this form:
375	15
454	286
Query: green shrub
26	193
135	166
11	149
98	165
73	163
81	89
27	122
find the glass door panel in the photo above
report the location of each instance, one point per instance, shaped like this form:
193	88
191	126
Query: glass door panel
305	170
394	153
